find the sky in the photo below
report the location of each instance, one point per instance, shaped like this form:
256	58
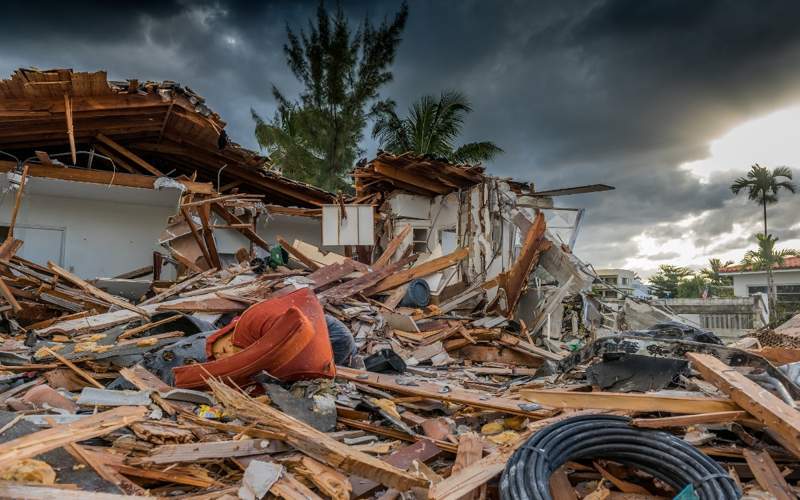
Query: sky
668	101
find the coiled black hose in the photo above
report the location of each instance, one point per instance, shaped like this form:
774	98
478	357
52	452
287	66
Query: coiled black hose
660	454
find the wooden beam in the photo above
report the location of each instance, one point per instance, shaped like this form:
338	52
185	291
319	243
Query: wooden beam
72	366
470	450
722	417
94	291
409	178
392	247
192	452
17	202
314	443
514	281
297	254
434	391
196	235
100	424
129	154
103	177
115	159
424	269
762	404
240	226
628	402
9	296
208	235
70	127
21	491
768	475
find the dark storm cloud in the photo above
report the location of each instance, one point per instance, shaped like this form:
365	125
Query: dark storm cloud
615	91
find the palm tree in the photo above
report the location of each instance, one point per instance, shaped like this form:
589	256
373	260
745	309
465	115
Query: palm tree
762	186
430	128
713	273
766	257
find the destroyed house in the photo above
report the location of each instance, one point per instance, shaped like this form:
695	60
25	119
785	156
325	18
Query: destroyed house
108	162
444	209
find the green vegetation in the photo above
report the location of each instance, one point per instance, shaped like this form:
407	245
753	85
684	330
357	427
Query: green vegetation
762	186
683	283
431	128
315	139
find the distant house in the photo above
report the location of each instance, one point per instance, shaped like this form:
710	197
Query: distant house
619	283
787	281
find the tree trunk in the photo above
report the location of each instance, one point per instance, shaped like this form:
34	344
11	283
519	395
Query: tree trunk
772	291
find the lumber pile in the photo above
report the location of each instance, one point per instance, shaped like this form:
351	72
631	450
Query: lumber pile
474	388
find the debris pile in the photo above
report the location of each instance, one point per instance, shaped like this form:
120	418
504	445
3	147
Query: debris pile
461	354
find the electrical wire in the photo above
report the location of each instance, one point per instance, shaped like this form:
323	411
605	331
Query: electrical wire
660	454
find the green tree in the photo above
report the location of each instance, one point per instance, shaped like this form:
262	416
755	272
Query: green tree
762	186
315	139
665	282
692	286
766	257
431	128
719	284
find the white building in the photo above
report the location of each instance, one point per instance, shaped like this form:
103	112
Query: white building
623	282
787	281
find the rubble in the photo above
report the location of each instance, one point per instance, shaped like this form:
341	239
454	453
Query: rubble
210	373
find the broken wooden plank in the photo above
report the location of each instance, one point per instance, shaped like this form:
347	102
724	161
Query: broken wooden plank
191	452
100	462
9	296
178	287
208	235
332	272
762	404
297	254
146	381
312	442
525	347
94	291
424	269
423	450
104	177
470	450
17	203
361	283
628	402
72	366
166	476
439	392
70	127
147	326
240	226
196	235
392	247
129	154
36	443
514	281
20	491
722	417
768	475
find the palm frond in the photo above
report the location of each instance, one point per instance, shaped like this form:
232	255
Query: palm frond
475	152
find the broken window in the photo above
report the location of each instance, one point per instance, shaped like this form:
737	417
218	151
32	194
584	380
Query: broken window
420	239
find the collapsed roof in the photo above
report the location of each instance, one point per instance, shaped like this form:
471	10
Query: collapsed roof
150	128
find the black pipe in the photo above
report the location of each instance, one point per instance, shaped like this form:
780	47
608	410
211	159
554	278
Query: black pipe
660	454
